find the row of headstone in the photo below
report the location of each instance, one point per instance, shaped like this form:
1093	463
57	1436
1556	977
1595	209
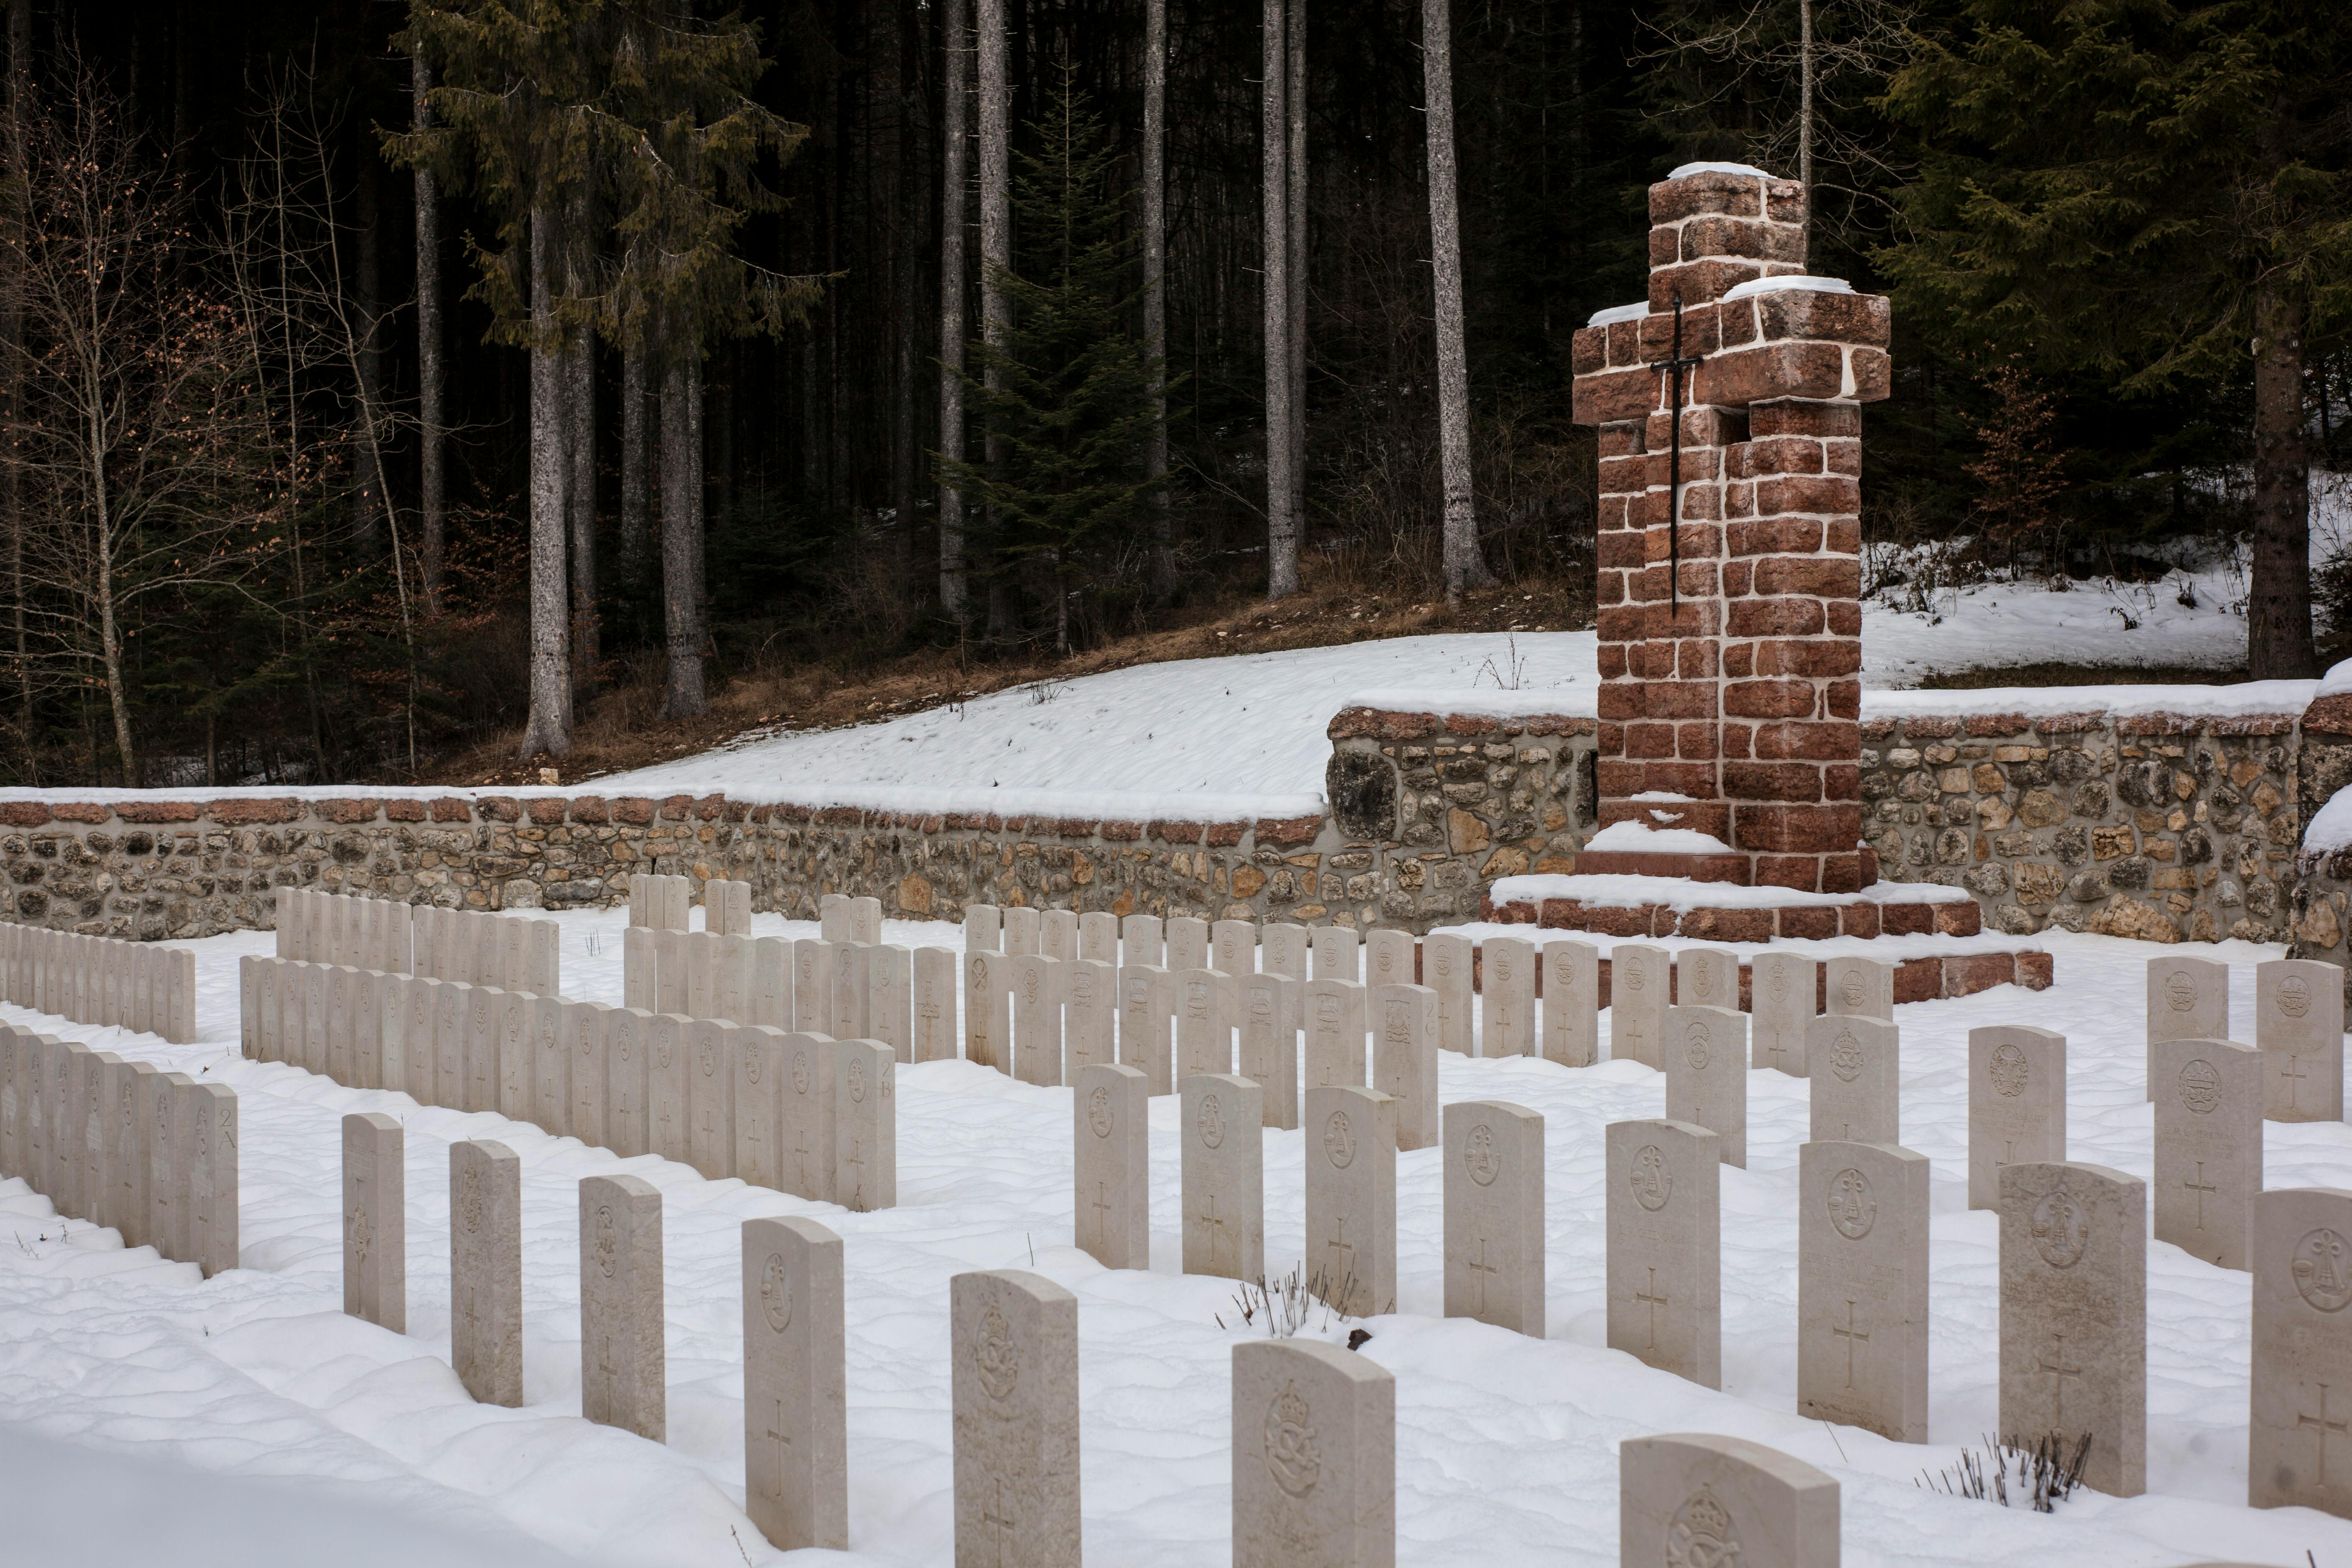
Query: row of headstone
101	980
727	906
848	989
2298	1028
659	901
320	927
118	1143
802	1112
513	952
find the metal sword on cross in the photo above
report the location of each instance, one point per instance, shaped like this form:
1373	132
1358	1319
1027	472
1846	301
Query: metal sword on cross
1674	367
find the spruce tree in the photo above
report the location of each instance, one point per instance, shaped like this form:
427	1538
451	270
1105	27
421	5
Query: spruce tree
1070	402
2157	195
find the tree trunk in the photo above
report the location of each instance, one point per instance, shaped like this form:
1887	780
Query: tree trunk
2278	603
109	626
1296	104
995	253
550	729
1155	291
634	475
954	595
1281	518
1805	96
580	501
911	208
681	509
1465	566
428	349
12	332
368	287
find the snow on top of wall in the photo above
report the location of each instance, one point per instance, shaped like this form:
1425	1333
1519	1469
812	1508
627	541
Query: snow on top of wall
1689	169
1483	702
2331	825
1124	806
2335	682
2244	699
1632	312
1805	282
1640	837
1611	892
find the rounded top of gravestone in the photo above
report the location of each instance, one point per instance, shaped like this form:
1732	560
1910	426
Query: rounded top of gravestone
1687	170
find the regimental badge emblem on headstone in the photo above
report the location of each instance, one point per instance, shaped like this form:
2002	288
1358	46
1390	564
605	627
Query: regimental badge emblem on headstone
2323	1270
995	1357
1292	1457
1652	1184
1480	1157
2062	1228
1700	1534
776	1294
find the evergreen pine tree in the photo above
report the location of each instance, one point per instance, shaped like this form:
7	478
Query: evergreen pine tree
2142	190
1072	407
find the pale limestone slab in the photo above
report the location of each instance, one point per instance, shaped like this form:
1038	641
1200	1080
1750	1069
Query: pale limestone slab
934	1014
2017	1104
623	1367
12	1153
833	917
677	901
1314	1456
1332	1015
1666	1247
795	1385
2299	1446
890	976
1495	1215
1014	1392
91	1127
2207	1170
1571	1004
2188	999
851	1013
865	919
2299	1026
1854	986
1691	1499
213	1194
629	1032
1204	1035
68	1132
772	982
585	1027
1035	984
1854	1065
1283	949
1187	943
479	1090
1111	1165
486	1270
639	986
1098	937
1147	1006
1707	977
518	1044
730	979
1021	930
865	1126
376	1221
314	1018
1223	1176
167	1225
667	1112
248	1007
394	1010
812	983
758	1057
738	909
339	1024
672	984
268	1044
711	1098
129	1095
805	1155
1508	984
987	1010
1862	1286
1331	950
1639	978
1445	968
1350	1148
1233	947
701	977
1142	939
1404	1064
1090	1004
1782	991
1269	1045
2073	1314
1057	935
551	1066
1707	1075
983	928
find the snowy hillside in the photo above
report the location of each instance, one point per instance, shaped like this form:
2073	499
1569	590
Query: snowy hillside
270	1423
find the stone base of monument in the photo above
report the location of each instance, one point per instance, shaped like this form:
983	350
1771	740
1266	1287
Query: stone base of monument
1647	907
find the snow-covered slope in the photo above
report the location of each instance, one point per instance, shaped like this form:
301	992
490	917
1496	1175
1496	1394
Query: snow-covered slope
113	1363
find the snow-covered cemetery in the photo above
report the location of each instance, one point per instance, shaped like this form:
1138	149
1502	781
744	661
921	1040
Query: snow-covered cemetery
973	996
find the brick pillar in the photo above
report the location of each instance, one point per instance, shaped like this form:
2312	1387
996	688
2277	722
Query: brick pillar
1743	698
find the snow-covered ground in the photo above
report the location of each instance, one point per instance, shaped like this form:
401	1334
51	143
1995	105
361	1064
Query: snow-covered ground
149	1417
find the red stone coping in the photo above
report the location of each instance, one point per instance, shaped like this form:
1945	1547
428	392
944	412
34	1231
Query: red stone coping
1383	725
1926	979
1990	726
639	811
1789	922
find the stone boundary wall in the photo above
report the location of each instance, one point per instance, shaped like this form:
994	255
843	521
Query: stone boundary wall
2160	826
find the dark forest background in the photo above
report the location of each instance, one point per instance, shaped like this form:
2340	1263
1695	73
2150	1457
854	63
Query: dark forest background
270	631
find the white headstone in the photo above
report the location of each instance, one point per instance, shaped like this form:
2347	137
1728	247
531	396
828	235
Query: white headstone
2017	1104
1666	1254
1707	1075
2073	1314
1854	1063
1781	988
1495	1215
2209	1148
2299	1025
1507	983
1690	1499
1111	1166
486	1270
1571	1003
1014	1355
1314	1466
1404	1064
375	1196
1332	1017
1224	1177
2302	1373
1146	1013
795	1398
623	1364
1638	978
1862	1286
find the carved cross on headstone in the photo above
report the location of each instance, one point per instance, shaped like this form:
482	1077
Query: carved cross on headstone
1654	1299
2322	1425
2055	1364
1850	1335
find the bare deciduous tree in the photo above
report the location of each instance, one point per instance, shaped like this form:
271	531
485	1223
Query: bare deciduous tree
1466	563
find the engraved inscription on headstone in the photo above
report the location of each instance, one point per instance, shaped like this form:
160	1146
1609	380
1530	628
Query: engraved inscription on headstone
2017	1104
2073	1314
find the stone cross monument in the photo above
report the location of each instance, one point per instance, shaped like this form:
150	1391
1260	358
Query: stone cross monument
1729	403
